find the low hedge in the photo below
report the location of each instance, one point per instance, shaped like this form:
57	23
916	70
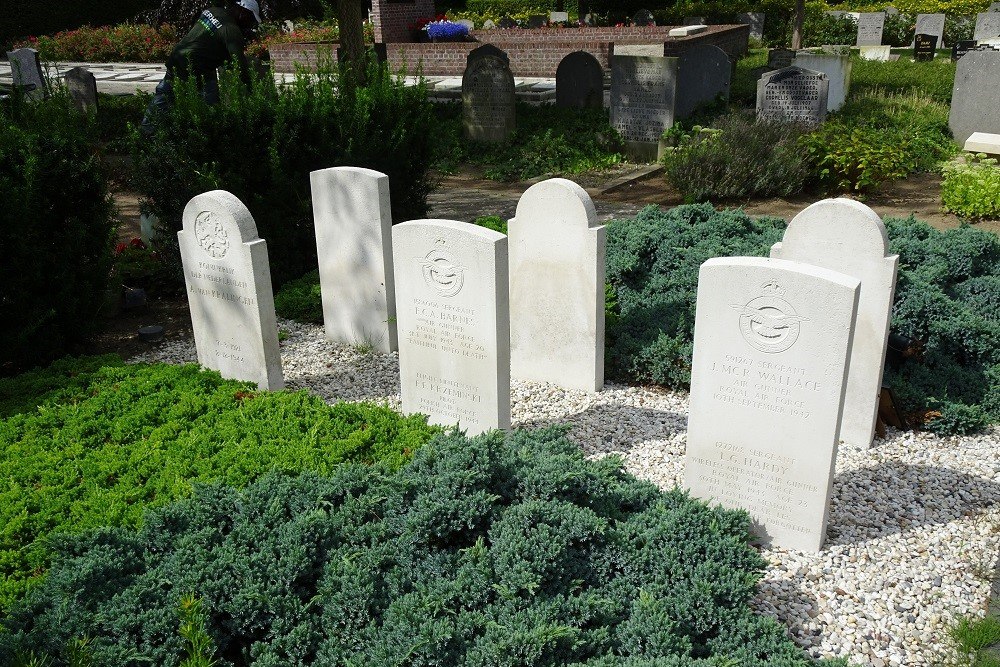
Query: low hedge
93	442
497	551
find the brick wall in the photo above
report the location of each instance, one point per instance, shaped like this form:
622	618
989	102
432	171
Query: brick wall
391	20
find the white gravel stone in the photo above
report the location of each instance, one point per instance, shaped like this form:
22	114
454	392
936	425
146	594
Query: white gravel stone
913	534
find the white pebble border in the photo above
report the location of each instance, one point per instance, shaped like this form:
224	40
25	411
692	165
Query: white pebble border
913	534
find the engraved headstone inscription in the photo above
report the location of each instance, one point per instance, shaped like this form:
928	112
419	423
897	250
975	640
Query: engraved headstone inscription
870	26
352	214
487	97
924	47
772	340
846	236
643	95
228	283
987	26
82	87
931	24
580	81
704	73
557	287
974	95
961	47
793	95
453	321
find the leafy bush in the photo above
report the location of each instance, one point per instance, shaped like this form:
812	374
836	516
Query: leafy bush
115	114
971	189
496	9
494	222
56	228
301	299
822	28
739	157
305	31
120	43
898	30
108	440
501	550
273	138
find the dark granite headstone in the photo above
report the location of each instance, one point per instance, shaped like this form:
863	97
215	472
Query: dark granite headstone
870	25
987	26
537	20
643	17
793	95
704	74
488	96
487	50
506	23
82	87
924	47
778	58
26	70
961	48
580	81
974	97
756	22
643	93
695	20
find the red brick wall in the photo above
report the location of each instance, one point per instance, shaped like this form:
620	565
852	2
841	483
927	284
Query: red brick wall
391	20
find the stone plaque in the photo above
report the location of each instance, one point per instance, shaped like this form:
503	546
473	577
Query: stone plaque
643	94
778	58
987	26
643	17
82	87
924	47
974	96
704	73
26	71
756	22
557	287
962	47
228	283
453	322
353	219
847	236
487	98
837	69
870	25
580	81
793	95
931	24
771	346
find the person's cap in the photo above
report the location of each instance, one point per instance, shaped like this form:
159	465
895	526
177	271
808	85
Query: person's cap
252	6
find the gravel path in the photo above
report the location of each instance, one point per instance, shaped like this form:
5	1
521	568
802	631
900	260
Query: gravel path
913	534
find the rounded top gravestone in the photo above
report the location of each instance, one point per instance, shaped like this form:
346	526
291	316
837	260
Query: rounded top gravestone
643	17
487	50
488	96
580	81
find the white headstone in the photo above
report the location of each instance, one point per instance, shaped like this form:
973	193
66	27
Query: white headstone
847	236
454	324
879	53
836	67
229	290
353	219
557	287
771	345
26	71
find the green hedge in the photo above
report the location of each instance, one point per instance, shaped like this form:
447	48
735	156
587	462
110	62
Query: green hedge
494	552
107	440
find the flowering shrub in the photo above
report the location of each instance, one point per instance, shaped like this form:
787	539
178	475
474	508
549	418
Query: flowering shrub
446	30
272	33
126	42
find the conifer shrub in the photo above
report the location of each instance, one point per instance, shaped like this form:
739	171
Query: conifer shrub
502	550
93	442
301	299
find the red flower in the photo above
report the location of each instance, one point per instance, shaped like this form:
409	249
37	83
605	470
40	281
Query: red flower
137	243
120	248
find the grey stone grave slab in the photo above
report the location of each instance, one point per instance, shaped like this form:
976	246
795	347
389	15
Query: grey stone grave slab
987	26
643	95
994	7
687	31
488	96
82	87
756	22
454	323
580	81
26	72
837	69
931	24
778	58
489	25
649	50
558	17
974	95
870	26
228	283
924	47
890	10
772	340
705	72
793	95
878	53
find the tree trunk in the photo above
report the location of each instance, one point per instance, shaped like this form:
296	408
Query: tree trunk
350	14
800	19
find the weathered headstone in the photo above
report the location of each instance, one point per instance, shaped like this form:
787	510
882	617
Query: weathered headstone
878	53
643	95
537	20
580	81
488	24
82	87
507	23
870	26
704	74
695	20
352	214
557	287
778	58
229	290
643	17
771	347
924	47
962	47
987	26
931	24
794	95
487	96
837	69
974	95
453	322
756	22
469	24
558	17
26	70
846	236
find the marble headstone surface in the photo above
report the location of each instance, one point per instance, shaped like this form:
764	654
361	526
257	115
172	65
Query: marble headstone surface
987	26
836	67
846	236
353	218
228	281
870	25
771	345
26	70
794	95
82	87
580	81
557	251
704	73
487	96
974	105
453	323
643	95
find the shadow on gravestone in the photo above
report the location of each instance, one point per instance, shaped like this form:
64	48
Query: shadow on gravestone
756	22
704	74
229	293
82	87
973	97
778	58
643	95
488	112
580	81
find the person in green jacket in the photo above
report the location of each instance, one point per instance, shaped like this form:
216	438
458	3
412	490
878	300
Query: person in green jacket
218	37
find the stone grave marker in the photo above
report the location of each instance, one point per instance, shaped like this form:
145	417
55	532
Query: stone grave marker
846	236
654	50
228	283
507	22
558	17
82	87
488	96
987	26
771	346
580	81
467	23
756	22
454	324
557	251
26	71
643	17
879	53
352	214
837	69
931	24
537	20
994	7
704	74
643	95
778	58
488	24
870	25
687	30
891	11
961	47
924	47
695	20
794	95
974	95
